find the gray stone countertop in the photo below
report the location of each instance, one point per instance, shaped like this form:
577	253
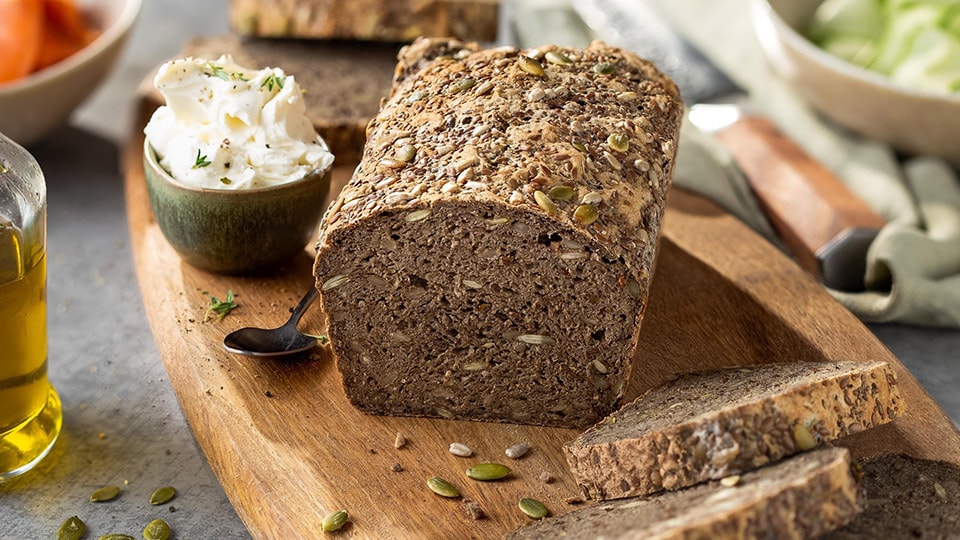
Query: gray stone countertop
122	423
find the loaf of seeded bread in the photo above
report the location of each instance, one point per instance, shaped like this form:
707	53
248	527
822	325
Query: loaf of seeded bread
343	82
379	20
906	498
490	258
709	425
797	498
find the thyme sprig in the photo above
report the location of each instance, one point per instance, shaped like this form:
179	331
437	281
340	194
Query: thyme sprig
217	309
201	161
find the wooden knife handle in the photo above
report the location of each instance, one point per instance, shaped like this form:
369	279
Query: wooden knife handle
809	207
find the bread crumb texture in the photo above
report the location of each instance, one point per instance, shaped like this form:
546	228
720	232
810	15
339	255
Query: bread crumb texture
491	256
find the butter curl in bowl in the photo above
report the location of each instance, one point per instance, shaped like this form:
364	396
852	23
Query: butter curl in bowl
236	174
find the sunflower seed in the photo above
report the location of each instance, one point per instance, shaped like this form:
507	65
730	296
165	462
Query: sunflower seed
71	529
472	284
533	508
335	282
598	365
162	495
517	451
463	84
104	494
484	87
334	521
941	491
417	215
536	339
486	472
594	198
730	481
405	153
399	441
156	530
460	449
442	487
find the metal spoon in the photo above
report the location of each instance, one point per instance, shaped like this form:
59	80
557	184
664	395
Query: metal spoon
274	342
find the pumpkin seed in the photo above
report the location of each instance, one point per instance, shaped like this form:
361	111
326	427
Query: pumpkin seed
941	491
544	202
104	494
334	521
156	530
162	495
561	193
605	68
558	58
533	508
530	66
71	529
619	142
586	214
579	146
486	472
633	288
114	536
803	437
463	84
442	487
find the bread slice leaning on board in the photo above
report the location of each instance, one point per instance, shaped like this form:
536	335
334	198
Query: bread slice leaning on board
710	425
800	497
491	256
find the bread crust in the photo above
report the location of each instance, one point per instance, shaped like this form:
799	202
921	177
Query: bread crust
728	422
800	497
490	185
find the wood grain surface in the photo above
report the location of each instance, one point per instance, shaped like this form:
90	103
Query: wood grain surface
288	448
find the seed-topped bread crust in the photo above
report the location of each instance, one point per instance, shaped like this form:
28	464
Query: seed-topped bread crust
710	425
491	256
800	497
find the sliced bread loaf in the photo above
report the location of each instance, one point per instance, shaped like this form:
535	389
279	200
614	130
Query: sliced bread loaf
709	425
343	82
491	256
380	20
906	498
800	497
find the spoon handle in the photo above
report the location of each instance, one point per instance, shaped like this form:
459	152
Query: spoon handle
301	308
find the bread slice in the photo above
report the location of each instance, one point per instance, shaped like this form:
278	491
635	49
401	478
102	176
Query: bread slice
906	498
709	425
800	497
378	20
343	82
491	256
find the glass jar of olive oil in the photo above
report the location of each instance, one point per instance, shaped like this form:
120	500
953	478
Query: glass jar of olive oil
30	413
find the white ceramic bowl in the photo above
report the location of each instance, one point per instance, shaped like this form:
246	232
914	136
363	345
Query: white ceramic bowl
864	101
35	105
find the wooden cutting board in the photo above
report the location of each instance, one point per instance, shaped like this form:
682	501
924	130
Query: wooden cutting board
288	448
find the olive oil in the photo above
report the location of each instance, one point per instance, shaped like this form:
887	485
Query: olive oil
30	415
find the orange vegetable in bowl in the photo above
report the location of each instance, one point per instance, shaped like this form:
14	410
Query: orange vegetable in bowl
35	34
21	34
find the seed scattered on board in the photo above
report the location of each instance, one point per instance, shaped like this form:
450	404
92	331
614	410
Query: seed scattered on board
460	449
517	451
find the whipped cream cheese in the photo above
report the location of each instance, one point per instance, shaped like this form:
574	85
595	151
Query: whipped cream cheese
225	126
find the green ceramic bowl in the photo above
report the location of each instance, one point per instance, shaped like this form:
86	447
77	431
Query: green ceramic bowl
235	231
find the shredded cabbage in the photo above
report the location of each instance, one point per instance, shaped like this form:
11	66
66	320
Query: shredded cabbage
914	42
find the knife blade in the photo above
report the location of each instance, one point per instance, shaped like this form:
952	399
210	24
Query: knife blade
826	227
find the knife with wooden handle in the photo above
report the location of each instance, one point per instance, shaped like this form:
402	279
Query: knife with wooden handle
827	228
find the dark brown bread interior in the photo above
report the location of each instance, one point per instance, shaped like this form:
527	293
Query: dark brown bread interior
457	275
709	425
907	498
800	497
